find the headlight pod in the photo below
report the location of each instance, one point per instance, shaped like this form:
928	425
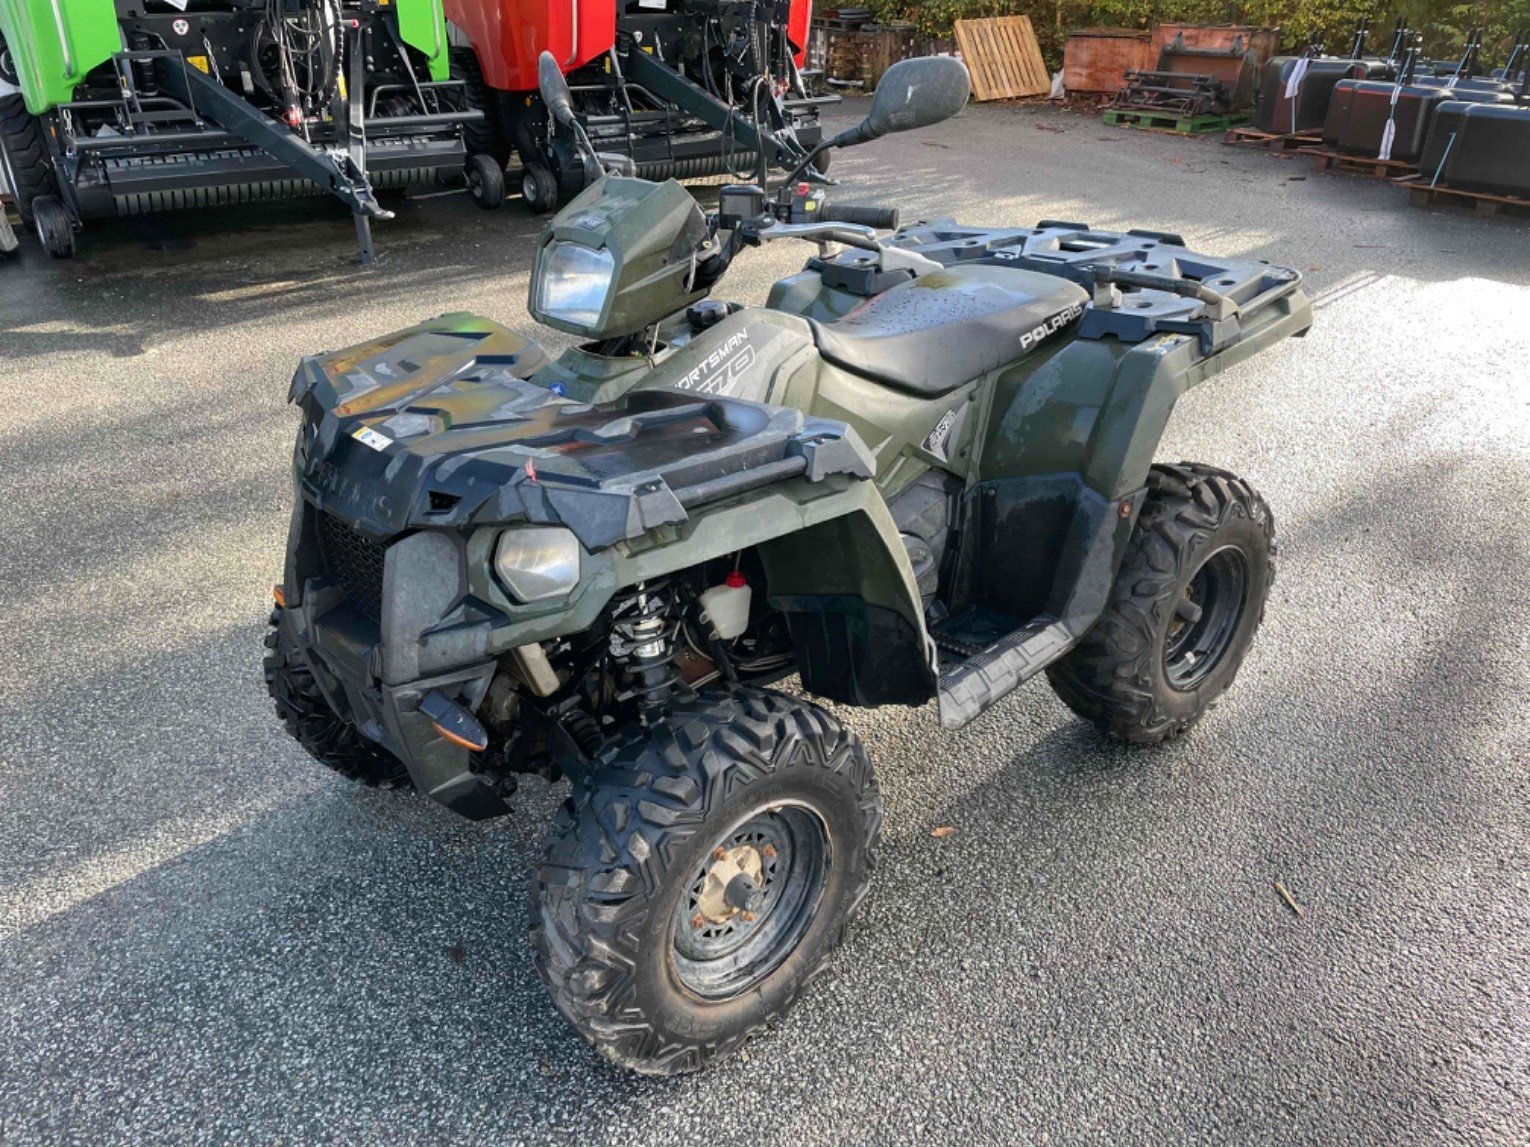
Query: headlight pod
537	562
574	283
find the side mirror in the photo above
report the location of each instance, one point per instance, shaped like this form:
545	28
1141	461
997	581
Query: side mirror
554	89
916	93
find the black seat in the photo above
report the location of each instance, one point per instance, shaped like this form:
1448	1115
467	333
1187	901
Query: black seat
930	335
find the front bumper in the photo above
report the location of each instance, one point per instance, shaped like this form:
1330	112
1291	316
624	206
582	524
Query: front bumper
375	662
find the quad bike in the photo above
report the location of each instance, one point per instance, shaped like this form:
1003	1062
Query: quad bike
923	471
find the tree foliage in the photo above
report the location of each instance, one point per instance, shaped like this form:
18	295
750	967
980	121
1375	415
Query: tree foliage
1444	23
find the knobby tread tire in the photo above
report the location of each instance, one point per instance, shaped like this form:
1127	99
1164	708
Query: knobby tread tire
329	739
487	136
26	154
629	835
1115	676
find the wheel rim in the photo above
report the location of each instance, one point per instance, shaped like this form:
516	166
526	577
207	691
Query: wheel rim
729	936
1206	618
529	188
475	183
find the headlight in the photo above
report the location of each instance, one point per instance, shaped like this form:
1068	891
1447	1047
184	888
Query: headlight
574	284
537	562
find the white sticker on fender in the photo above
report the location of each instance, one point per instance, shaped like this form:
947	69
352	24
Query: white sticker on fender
370	437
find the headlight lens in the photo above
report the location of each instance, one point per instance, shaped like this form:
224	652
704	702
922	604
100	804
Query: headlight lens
575	282
537	562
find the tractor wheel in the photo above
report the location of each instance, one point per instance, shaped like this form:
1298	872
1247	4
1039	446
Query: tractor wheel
1184	609
485	181
539	188
329	739
23	155
55	229
702	874
487	136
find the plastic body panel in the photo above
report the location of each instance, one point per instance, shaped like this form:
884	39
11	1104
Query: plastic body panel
55	43
509	35
422	25
799	19
1480	147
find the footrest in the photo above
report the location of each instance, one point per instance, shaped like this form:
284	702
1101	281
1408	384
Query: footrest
972	686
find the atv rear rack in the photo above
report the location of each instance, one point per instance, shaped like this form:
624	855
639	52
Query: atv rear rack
1142	282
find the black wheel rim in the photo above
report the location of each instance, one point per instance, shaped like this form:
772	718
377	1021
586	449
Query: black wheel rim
720	955
1206	618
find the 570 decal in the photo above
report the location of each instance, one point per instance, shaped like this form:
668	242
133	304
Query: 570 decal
717	373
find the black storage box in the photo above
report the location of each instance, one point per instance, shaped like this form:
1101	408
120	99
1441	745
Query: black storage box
1307	110
1479	147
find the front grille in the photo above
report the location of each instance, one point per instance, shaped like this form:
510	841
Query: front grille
356	561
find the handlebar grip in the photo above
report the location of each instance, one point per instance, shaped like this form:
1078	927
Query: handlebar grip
884	218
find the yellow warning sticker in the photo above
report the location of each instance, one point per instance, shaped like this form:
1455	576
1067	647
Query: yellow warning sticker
199	63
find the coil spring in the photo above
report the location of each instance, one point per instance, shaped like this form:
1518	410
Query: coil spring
643	644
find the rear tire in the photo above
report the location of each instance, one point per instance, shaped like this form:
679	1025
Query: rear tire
662	978
24	155
486	137
329	739
54	227
1184	609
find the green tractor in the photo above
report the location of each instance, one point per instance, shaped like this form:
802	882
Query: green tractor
922	472
125	107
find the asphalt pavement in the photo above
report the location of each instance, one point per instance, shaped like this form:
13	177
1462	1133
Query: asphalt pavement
204	936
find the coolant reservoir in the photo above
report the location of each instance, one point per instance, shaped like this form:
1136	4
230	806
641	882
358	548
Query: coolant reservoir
726	607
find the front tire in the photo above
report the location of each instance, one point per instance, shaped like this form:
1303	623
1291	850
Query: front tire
539	189
23	155
702	875
485	182
328	738
1184	609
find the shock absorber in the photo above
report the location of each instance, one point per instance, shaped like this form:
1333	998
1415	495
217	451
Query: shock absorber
643	642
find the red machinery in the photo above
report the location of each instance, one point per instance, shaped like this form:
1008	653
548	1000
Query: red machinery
681	88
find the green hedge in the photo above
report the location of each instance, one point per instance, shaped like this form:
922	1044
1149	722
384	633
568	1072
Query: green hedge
1444	24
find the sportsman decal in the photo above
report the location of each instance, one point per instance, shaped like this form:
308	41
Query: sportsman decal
946	432
721	370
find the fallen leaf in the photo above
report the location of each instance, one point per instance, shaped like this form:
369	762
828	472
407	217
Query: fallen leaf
943	831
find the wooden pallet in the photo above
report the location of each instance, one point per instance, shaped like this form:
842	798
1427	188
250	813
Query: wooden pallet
1329	160
1003	57
1420	194
1173	121
1271	140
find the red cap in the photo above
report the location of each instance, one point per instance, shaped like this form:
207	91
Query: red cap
803	188
735	580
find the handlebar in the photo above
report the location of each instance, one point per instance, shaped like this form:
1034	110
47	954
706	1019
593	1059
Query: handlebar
882	218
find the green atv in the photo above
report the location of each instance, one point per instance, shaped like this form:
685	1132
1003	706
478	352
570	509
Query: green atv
922	472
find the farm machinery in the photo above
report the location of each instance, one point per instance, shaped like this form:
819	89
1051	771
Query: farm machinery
668	88
125	107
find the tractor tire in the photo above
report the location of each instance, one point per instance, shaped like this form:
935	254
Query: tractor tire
488	135
539	189
641	929
23	155
1186	603
485	181
54	227
328	738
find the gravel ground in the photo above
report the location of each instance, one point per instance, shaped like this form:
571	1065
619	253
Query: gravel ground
204	936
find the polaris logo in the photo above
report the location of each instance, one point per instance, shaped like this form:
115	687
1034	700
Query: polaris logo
717	373
1062	318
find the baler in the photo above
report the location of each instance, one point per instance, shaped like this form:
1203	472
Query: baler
122	107
676	88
